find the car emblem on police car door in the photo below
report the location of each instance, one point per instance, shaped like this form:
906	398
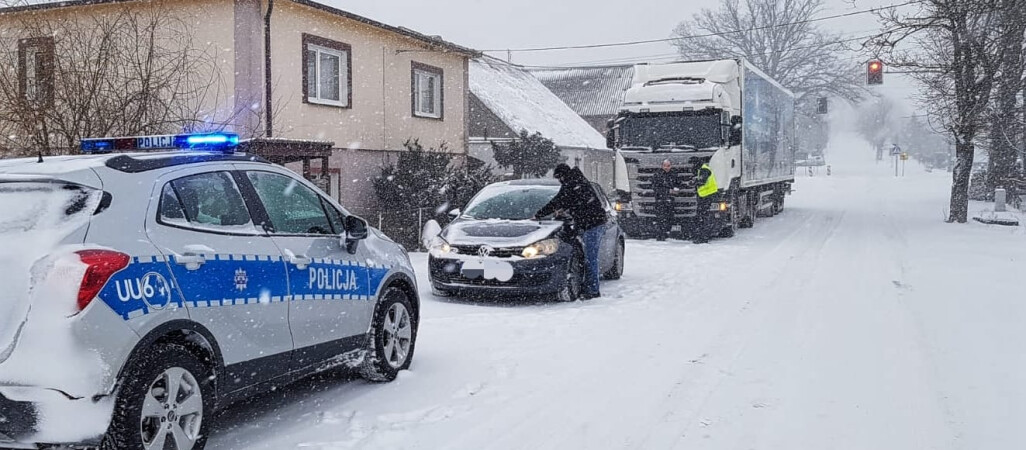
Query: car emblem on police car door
241	280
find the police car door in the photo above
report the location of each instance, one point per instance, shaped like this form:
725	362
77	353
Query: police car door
231	274
330	297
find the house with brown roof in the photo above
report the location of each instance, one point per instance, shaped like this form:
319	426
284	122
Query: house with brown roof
296	71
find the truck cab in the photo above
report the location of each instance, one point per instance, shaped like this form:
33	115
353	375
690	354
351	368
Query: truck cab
687	113
724	113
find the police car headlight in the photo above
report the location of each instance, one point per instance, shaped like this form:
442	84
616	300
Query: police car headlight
540	248
440	246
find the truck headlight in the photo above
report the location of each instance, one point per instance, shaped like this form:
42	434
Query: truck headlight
540	248
440	246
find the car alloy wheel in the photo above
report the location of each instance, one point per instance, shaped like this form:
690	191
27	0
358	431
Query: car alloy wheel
393	337
172	411
398	335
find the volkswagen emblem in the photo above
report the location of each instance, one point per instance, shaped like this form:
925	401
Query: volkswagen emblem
485	250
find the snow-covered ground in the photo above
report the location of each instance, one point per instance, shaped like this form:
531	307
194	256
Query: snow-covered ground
856	319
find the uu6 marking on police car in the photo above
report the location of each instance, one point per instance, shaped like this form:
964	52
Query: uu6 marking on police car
152	288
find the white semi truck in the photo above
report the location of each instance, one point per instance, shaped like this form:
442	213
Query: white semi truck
725	113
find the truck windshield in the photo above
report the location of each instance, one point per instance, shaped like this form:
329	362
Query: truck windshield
677	129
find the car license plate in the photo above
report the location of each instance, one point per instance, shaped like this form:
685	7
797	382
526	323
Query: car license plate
488	269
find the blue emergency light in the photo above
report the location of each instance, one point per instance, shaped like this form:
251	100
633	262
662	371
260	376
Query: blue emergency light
224	142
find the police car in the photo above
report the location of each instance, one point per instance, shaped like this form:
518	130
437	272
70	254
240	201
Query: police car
180	281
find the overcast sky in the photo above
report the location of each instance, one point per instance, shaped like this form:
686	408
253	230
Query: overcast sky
487	25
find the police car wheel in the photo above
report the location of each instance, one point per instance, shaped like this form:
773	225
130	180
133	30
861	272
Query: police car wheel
393	337
164	401
572	287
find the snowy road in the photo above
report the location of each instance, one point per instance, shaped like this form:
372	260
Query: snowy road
854	320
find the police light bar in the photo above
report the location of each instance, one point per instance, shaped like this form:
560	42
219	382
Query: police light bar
225	142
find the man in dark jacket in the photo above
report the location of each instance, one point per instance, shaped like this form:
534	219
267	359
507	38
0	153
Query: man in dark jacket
578	199
664	184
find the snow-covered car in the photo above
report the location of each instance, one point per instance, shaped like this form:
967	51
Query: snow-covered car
144	291
494	249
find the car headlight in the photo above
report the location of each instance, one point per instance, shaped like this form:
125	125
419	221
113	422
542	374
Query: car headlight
540	248
440	246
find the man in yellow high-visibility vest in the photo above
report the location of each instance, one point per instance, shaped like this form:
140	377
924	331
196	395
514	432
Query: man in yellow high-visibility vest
705	181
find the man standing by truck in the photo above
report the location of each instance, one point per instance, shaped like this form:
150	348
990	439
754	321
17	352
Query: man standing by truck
664	185
705	181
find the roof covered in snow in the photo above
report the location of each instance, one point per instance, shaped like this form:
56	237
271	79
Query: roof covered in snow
590	91
524	103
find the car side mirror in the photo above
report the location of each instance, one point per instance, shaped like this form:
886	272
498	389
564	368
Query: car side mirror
455	213
356	229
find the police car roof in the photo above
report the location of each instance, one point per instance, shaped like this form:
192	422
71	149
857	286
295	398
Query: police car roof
133	162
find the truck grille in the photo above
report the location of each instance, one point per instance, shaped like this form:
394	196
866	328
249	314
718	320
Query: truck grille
685	203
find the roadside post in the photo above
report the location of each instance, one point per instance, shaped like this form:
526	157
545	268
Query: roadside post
1000	197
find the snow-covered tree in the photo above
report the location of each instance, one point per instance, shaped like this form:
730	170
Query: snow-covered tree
528	154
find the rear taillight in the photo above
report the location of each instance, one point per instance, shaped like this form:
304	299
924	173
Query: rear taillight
102	264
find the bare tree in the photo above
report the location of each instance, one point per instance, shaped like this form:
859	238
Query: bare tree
1005	131
133	72
876	123
776	36
956	58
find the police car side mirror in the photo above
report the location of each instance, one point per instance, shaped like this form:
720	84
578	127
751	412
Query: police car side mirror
356	229
455	213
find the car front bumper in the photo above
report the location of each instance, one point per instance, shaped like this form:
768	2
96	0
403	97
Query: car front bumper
531	277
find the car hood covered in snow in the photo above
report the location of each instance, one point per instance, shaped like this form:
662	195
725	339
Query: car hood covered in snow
499	233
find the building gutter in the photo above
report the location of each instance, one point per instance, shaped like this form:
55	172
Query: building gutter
268	99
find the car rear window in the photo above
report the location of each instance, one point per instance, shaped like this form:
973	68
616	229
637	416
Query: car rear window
44	205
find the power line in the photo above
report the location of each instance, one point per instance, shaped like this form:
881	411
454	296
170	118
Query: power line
722	33
630	59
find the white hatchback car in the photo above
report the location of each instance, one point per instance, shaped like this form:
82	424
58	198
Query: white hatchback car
143	291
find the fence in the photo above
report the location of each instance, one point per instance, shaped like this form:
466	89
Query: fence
404	226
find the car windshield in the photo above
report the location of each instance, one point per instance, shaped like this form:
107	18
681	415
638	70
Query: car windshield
510	202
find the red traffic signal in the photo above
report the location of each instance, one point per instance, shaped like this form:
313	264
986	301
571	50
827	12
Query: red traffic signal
874	72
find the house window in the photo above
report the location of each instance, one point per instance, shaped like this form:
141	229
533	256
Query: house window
327	79
427	91
36	71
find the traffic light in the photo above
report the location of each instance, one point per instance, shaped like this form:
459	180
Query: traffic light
823	106
874	72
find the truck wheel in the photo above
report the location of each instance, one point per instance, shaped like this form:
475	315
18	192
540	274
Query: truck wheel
165	399
747	220
393	337
735	216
